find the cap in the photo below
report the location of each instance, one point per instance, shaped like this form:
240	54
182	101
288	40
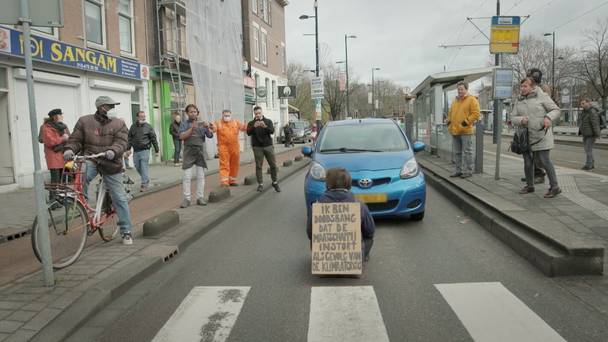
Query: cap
105	100
55	112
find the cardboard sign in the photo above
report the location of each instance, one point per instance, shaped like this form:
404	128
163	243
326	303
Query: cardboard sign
336	238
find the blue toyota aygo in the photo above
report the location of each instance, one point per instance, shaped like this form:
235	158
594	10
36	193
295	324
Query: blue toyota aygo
380	160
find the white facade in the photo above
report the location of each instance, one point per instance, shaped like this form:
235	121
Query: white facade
72	90
273	108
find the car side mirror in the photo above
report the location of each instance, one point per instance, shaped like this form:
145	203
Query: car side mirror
307	151
419	146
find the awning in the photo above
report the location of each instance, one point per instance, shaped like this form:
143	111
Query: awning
452	77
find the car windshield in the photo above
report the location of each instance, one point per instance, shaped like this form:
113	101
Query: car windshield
376	137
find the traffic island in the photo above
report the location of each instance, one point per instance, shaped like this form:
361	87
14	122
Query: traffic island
219	195
545	242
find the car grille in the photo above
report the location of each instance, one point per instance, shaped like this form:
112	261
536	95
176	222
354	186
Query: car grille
383	206
376	182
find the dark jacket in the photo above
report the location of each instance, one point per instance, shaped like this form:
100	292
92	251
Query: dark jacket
142	136
589	123
174	129
260	136
368	227
97	133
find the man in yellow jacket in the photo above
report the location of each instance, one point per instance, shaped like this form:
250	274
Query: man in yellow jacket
461	125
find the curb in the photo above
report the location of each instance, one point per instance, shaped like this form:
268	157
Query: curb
20	233
160	223
550	256
558	141
95	299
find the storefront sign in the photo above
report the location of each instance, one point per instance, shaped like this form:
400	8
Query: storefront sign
287	92
55	52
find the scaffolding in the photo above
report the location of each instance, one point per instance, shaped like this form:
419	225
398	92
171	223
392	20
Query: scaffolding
172	52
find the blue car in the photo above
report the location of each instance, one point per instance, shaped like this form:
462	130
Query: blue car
380	160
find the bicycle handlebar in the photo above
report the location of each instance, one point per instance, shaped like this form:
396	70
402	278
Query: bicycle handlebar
89	157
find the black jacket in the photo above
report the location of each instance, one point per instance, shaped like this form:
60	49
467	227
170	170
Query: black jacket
260	136
174	129
142	136
368	226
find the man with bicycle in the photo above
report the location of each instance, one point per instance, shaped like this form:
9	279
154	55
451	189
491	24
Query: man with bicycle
103	132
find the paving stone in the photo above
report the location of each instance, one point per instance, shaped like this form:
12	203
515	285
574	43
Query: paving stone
35	306
3	336
21	335
5	313
21	316
6	305
65	300
42	319
9	326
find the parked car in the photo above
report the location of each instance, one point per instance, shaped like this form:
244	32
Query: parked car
301	132
380	159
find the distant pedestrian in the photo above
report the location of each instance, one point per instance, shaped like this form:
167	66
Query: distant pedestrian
536	111
462	116
54	134
260	130
314	132
177	142
193	133
141	138
227	130
288	134
589	128
338	183
539	169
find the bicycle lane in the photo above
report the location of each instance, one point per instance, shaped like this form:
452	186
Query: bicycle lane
17	259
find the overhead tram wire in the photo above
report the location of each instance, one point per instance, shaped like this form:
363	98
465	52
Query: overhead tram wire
580	16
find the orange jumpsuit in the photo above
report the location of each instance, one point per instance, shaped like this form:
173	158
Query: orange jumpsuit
229	149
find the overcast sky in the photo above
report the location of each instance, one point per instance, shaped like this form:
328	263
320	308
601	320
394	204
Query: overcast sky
402	36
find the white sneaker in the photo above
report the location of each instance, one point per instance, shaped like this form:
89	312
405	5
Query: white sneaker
127	239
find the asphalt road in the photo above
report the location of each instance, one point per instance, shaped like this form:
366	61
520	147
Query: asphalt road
262	253
562	155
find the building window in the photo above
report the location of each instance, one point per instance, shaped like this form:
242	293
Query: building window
263	48
94	10
125	25
267	84
181	35
283	58
254	6
269	13
274	94
256	44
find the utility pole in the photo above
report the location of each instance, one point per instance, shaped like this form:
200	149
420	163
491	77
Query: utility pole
374	92
497	116
346	59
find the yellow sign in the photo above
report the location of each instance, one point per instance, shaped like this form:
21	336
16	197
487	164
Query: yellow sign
504	35
372	198
336	238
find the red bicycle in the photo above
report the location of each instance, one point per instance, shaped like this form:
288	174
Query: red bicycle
70	217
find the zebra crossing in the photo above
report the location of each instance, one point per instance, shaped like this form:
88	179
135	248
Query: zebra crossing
488	311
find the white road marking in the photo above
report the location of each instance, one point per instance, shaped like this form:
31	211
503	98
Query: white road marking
207	314
345	313
490	312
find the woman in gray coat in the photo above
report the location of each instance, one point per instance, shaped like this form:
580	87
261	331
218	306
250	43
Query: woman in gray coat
536	111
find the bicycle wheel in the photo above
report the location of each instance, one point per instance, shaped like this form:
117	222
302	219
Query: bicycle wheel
67	227
109	229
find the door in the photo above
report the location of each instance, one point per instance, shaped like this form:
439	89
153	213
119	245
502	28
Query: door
6	156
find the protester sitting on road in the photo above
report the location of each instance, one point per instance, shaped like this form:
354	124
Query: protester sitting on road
54	135
589	128
338	183
104	132
193	133
536	111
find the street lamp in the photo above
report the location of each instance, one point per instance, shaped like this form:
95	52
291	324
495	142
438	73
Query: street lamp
552	65
346	38
374	92
318	101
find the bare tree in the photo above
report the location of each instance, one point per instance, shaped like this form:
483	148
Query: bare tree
297	75
594	63
334	99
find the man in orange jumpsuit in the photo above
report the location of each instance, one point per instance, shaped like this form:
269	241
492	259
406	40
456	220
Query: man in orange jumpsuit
227	130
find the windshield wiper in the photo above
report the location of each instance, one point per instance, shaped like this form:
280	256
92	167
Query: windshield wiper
347	150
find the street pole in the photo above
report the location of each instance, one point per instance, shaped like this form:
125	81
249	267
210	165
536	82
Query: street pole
44	240
373	95
497	116
317	101
553	70
346	55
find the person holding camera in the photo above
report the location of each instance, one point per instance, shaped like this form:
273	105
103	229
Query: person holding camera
260	129
193	133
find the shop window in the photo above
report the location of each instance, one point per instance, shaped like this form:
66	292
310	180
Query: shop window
95	22
125	25
135	105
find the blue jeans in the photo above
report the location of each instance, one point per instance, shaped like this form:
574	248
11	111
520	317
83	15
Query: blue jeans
178	147
117	192
141	160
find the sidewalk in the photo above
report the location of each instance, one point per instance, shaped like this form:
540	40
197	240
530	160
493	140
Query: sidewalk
578	218
30	311
566	136
17	208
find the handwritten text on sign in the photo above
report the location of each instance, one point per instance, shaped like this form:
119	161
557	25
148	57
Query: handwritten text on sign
336	238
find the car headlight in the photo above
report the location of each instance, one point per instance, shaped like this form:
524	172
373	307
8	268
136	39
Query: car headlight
409	169
317	171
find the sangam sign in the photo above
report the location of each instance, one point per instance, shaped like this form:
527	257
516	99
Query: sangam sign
336	238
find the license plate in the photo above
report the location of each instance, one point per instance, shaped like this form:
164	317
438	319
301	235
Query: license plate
372	198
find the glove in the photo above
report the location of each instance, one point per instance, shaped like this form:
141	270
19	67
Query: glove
68	155
110	155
